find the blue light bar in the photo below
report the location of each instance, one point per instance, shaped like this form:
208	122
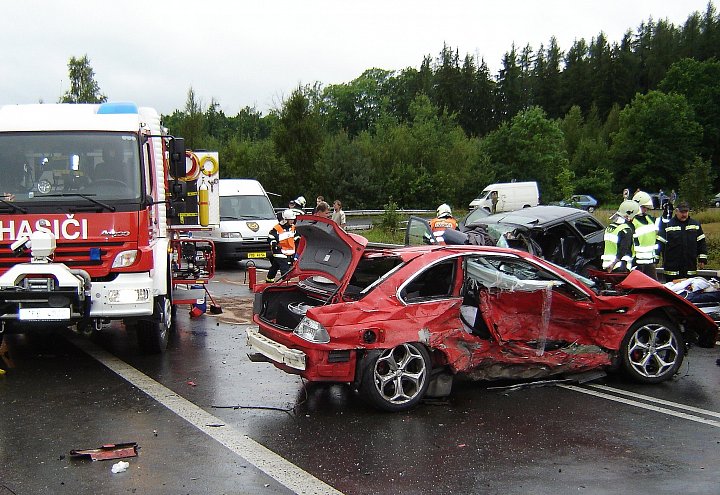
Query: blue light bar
117	107
95	254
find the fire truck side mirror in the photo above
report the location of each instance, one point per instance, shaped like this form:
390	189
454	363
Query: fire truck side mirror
176	149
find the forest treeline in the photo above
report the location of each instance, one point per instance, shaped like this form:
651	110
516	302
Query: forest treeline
643	111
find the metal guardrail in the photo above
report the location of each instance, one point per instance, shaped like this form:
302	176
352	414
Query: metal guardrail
706	273
352	213
368	213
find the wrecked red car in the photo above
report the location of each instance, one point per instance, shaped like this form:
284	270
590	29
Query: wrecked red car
398	324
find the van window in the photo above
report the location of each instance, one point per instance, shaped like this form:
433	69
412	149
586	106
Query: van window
245	208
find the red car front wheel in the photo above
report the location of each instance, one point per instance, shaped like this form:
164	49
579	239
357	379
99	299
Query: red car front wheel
397	378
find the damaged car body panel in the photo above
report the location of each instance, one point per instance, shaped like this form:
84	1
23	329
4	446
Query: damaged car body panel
391	321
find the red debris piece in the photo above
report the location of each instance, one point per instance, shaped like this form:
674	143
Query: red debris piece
108	451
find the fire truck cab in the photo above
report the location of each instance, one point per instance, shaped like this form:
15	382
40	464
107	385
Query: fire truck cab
89	194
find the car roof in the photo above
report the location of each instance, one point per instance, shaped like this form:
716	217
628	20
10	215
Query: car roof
535	216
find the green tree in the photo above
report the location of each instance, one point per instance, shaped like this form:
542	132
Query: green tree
625	70
600	62
696	183
657	139
83	87
509	89
529	147
345	171
572	128
591	164
257	159
565	183
698	83
354	107
298	135
576	82
546	79
191	124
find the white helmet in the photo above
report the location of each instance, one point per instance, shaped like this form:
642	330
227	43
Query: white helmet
444	211
628	209
643	199
300	201
288	214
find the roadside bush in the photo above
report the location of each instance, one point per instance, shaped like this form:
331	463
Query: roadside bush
390	220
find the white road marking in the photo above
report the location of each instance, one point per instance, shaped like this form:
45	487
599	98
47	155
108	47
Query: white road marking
664	402
275	466
650	407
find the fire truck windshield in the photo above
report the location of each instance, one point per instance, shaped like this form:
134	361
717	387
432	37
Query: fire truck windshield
60	166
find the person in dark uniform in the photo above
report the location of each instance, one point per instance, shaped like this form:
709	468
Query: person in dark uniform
682	245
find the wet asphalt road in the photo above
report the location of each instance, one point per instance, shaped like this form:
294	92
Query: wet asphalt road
202	412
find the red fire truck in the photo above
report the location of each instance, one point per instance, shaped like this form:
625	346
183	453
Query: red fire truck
96	202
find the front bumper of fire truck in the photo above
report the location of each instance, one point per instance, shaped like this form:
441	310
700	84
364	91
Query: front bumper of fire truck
42	292
52	292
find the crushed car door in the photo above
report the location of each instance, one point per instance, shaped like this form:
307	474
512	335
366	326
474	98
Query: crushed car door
524	302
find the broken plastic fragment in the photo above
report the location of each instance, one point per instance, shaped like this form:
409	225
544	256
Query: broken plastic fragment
120	467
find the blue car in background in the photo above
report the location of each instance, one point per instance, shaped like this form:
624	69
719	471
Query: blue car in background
582	201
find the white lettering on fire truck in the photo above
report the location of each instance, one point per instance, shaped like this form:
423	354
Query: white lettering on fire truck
70	228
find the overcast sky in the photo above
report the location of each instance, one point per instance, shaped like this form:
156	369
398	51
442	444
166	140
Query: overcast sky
254	53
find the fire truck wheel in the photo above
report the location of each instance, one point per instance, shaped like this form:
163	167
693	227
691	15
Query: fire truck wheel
153	334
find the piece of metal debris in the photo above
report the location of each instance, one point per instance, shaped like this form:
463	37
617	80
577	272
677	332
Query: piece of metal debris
578	378
108	451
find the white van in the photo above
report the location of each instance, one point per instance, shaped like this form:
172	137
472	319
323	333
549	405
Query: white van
246	217
510	196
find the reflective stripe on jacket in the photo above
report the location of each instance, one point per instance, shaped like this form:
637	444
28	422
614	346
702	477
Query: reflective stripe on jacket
682	244
440	225
618	246
282	240
645	237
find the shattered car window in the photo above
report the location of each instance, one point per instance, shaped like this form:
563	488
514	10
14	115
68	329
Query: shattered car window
508	274
588	225
370	272
500	232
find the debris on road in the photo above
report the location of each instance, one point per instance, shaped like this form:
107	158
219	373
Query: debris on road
120	467
108	451
578	378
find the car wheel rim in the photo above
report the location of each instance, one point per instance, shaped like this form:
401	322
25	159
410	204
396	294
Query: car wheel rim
653	350
400	374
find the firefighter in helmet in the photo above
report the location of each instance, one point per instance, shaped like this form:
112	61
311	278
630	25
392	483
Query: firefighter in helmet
442	222
298	205
283	243
618	253
645	237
